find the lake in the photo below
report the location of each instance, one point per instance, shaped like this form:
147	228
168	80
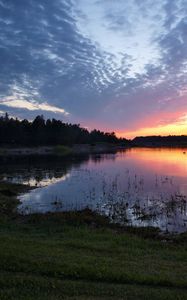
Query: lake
138	186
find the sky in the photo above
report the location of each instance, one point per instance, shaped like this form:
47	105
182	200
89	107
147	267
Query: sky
111	65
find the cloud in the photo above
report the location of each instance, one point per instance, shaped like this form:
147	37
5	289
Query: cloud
99	63
11	102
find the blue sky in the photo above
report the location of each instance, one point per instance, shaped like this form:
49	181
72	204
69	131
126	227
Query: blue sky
113	65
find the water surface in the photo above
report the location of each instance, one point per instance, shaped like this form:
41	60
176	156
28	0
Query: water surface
139	186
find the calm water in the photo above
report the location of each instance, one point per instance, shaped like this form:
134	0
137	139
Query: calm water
140	187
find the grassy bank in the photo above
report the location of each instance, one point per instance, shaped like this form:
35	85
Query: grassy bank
12	153
81	256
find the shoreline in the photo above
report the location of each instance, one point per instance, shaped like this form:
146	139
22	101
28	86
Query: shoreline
58	151
77	149
80	255
11	192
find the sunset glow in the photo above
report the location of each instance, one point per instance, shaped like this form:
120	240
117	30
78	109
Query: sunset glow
179	128
93	149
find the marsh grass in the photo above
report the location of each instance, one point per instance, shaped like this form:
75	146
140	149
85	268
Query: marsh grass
8	197
62	150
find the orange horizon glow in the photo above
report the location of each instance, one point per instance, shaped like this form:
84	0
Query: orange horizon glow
179	128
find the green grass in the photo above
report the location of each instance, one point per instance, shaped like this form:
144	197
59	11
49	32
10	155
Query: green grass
8	198
3	151
62	150
81	256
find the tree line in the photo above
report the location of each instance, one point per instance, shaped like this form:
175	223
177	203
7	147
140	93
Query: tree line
160	141
40	132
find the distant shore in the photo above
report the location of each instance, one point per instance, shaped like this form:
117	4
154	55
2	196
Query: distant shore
59	151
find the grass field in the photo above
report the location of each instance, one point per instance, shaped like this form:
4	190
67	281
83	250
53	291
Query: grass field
81	256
